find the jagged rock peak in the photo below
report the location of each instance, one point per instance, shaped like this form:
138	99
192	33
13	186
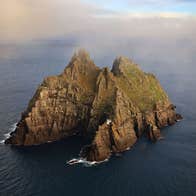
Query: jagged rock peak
120	63
81	64
81	56
111	110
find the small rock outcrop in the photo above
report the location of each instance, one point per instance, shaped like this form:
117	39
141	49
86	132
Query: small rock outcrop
110	108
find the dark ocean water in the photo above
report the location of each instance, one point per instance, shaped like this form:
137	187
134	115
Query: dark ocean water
166	168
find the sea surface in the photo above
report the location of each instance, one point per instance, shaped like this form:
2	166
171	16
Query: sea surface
166	168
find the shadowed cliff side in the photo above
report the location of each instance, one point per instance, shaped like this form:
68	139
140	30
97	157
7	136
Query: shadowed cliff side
61	104
112	108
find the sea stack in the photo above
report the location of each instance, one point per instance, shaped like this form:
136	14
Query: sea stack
113	108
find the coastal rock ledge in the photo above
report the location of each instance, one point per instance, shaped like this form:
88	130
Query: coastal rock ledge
110	108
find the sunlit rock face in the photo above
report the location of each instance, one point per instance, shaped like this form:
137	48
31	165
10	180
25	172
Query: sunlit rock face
111	108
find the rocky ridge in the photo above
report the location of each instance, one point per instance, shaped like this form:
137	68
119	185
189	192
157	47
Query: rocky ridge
112	108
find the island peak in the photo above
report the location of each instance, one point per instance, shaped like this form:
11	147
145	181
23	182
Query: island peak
121	63
81	58
112	108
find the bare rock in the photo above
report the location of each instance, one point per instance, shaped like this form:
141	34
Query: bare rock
111	108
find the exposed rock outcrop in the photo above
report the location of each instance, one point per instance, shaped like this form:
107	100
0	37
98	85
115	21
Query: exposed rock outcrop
112	108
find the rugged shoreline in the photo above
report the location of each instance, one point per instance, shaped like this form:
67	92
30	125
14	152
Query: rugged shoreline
112	108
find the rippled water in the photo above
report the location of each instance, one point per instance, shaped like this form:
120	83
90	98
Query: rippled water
165	168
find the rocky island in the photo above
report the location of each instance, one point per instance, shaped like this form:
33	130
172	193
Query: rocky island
112	108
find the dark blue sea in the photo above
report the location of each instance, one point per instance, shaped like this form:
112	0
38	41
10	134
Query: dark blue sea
165	168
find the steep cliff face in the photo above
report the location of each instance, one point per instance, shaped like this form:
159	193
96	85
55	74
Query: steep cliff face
112	108
61	104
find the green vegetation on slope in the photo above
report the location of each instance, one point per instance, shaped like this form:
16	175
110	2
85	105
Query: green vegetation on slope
142	88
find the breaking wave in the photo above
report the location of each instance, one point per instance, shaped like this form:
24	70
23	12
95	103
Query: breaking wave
84	162
7	135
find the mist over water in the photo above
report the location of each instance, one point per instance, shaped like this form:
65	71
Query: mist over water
167	167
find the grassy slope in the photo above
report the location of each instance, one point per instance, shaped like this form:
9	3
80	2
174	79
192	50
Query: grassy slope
143	89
